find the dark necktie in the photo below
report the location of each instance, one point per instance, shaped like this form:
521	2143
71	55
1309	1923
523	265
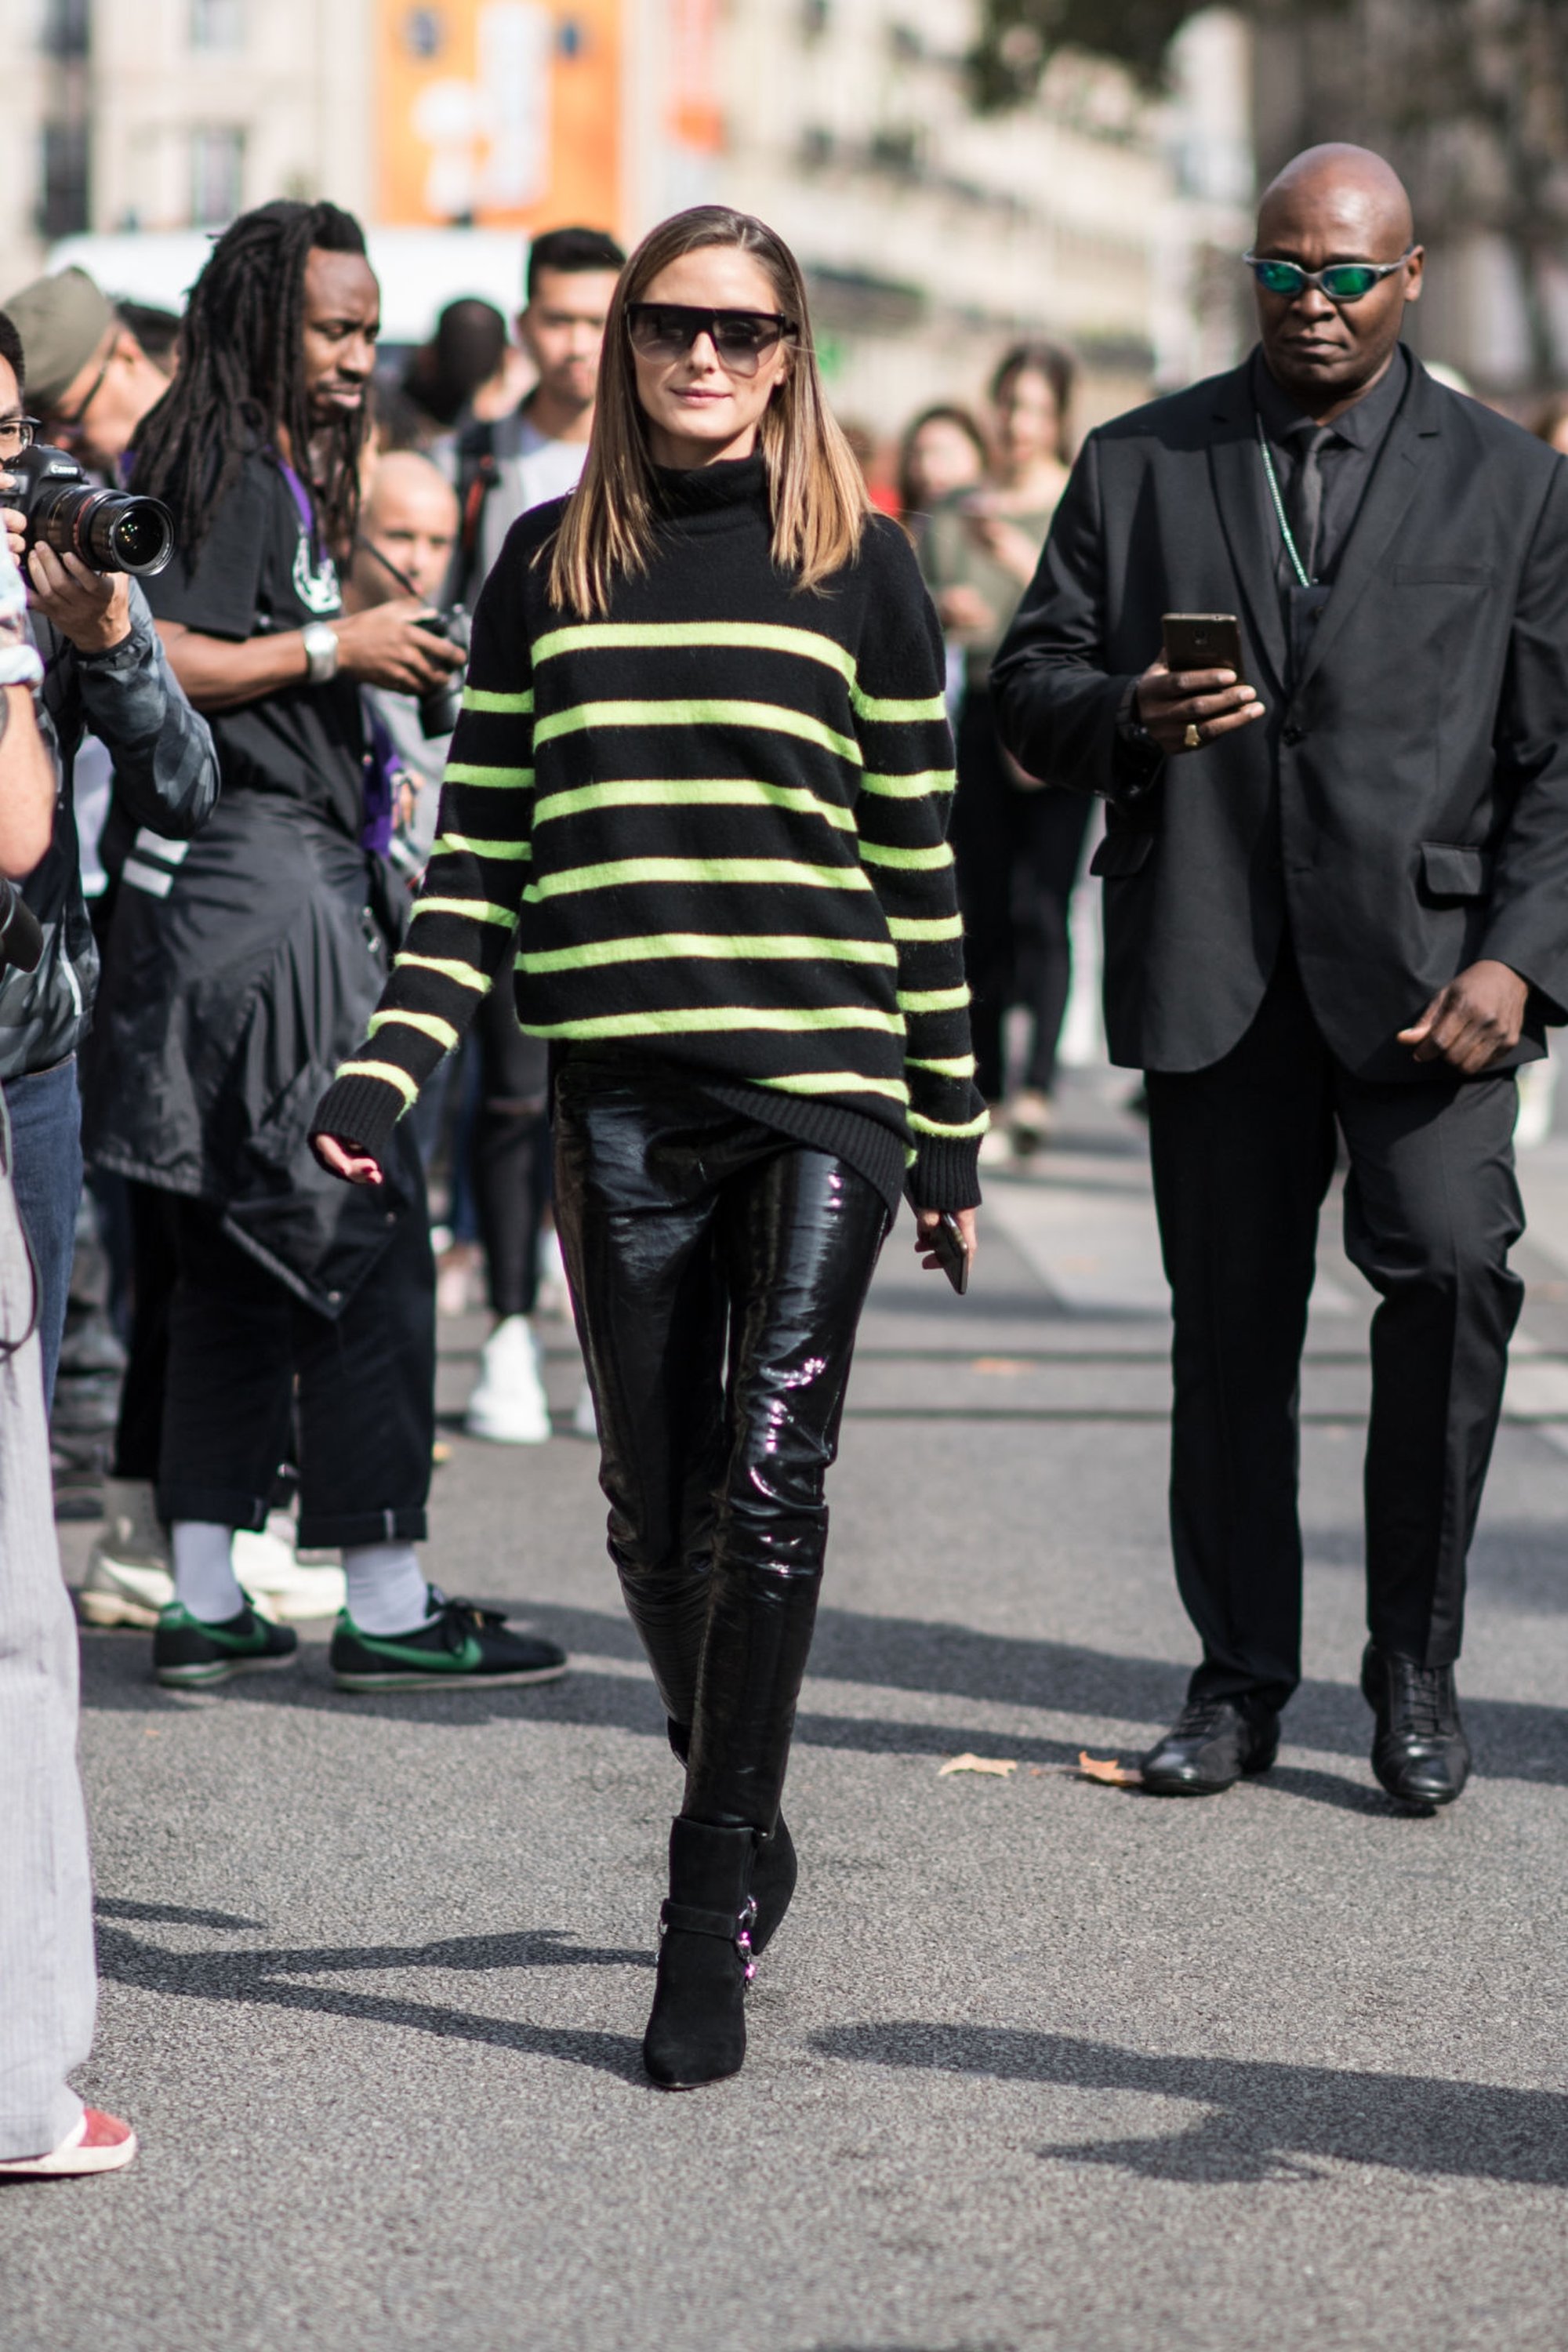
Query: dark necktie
1307	494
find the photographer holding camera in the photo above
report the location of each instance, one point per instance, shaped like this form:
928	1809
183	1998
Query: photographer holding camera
46	1883
104	670
248	969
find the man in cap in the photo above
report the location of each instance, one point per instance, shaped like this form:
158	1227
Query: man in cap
89	378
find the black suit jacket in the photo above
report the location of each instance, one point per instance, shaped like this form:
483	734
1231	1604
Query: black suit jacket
1403	807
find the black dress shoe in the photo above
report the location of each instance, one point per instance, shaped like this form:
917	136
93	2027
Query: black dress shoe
1212	1743
1419	1751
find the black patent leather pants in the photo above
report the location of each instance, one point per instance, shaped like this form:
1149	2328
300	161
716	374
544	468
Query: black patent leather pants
719	1270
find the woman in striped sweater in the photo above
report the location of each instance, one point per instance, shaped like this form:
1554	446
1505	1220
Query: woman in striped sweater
704	758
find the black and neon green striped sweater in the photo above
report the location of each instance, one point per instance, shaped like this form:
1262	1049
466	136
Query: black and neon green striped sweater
715	822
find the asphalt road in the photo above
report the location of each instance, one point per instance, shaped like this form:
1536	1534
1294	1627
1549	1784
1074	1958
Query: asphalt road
1035	2064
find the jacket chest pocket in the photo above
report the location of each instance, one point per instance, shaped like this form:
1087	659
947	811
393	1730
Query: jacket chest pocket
1445	575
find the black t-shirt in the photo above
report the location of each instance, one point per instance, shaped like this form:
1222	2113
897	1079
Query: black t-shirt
258	571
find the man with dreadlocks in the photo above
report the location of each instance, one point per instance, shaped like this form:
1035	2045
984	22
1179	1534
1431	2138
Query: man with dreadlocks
243	970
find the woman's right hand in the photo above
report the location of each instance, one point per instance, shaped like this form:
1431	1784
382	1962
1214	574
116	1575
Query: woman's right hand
346	1160
384	646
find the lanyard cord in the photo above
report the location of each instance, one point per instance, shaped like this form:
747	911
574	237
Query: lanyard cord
1291	549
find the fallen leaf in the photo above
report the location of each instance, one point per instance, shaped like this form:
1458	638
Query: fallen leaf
998	1766
1115	1774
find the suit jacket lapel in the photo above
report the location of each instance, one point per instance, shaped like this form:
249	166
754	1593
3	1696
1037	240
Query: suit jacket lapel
1235	469
1394	481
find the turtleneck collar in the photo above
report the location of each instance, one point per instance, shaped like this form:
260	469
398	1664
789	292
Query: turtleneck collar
733	484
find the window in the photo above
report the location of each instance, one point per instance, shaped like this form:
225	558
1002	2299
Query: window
62	201
217	176
67	26
218	24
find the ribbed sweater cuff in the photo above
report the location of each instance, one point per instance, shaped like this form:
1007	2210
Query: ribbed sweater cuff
946	1173
359	1110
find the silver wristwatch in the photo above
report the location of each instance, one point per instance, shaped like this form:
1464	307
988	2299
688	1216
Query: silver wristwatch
322	652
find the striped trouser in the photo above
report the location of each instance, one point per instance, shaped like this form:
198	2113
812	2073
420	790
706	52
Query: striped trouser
48	1985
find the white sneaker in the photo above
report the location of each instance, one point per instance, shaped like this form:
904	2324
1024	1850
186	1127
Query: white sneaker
127	1578
509	1406
278	1581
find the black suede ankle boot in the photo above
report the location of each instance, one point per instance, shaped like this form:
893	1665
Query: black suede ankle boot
697	2032
775	1869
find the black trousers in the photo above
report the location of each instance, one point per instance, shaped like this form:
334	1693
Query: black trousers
1243	1155
238	1342
510	1151
719	1271
138	1435
1017	854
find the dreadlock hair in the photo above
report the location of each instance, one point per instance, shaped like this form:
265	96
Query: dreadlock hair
241	377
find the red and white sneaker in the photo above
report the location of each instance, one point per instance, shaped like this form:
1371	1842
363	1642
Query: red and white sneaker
96	2142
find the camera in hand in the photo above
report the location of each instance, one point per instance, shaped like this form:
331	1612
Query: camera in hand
111	530
21	938
439	708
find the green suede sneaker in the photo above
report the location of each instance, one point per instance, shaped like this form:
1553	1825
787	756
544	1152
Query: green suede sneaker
187	1655
462	1648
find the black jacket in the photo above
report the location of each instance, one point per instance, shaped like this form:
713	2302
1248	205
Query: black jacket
165	778
1404	808
237	974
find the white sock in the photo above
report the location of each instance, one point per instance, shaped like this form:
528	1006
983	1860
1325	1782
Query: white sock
387	1592
205	1580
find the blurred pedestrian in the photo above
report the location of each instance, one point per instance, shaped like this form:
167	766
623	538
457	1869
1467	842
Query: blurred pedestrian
47	1964
243	970
464	354
944	451
90	381
1550	423
1335	886
705	755
1018	842
506	467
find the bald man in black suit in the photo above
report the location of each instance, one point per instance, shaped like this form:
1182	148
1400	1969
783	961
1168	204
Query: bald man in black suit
1336	900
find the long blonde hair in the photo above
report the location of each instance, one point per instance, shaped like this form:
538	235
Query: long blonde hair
817	491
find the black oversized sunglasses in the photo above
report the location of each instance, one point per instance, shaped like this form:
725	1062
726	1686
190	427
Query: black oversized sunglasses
741	340
1341	281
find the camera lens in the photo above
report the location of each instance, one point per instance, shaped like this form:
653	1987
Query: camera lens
138	538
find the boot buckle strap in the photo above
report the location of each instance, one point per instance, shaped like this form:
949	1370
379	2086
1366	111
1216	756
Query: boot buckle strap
730	1927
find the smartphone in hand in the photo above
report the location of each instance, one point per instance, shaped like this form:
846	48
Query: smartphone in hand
1202	641
948	1245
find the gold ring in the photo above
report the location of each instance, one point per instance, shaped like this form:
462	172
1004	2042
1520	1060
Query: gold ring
1192	739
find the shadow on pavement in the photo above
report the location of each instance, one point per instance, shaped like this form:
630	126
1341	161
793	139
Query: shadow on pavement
1261	2121
1512	1740
262	1979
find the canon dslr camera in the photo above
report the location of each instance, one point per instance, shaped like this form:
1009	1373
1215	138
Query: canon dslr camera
111	530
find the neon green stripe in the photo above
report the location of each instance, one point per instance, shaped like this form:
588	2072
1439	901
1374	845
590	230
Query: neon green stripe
933	999
909	861
466	975
459	842
480	698
697	792
837	1082
475	910
938	1126
961	1066
387	1071
695	869
693	1020
430	1023
896	714
713	712
760	636
653	947
910	788
925	927
469	771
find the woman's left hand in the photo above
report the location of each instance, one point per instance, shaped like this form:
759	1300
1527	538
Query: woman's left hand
926	1222
346	1160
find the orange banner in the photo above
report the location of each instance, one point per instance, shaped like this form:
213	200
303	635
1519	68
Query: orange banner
505	113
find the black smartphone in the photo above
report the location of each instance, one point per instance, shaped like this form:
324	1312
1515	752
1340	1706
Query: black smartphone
1202	641
952	1251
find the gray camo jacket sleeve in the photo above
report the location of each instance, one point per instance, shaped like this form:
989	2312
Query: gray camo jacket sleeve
165	768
